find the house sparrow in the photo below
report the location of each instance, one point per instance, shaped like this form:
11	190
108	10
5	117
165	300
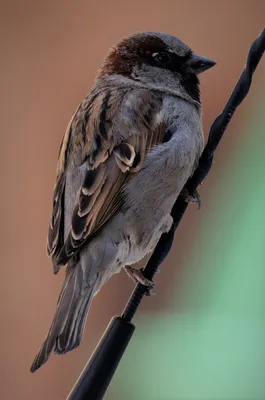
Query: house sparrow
126	155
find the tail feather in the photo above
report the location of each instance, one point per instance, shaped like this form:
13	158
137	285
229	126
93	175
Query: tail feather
67	328
64	340
70	338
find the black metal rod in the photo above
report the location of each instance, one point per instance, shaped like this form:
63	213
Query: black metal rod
96	377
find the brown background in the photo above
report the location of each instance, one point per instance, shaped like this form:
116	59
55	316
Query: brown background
50	52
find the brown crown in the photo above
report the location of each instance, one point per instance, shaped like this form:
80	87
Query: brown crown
129	52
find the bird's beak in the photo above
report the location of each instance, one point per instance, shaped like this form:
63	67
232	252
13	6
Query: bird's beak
198	64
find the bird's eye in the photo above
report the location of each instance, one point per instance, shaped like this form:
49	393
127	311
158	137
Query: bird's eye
162	58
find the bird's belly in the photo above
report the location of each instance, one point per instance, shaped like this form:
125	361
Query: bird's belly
142	231
150	195
136	246
148	200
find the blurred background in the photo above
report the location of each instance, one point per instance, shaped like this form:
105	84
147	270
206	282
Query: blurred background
202	336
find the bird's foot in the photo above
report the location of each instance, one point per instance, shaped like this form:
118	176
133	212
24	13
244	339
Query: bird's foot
138	277
191	198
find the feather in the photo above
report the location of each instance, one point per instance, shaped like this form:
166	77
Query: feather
113	149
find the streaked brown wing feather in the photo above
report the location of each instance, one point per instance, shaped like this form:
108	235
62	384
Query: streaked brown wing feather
113	154
56	227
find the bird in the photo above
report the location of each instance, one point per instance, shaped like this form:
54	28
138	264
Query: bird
126	155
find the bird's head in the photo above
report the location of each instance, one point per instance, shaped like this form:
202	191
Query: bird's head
159	61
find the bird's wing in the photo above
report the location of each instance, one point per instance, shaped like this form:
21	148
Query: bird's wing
111	132
55	240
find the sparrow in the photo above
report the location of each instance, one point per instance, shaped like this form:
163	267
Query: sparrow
125	157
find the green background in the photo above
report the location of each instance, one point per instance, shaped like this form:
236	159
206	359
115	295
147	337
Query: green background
213	348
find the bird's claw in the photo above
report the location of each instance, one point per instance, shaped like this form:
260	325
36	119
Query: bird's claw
138	277
191	198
